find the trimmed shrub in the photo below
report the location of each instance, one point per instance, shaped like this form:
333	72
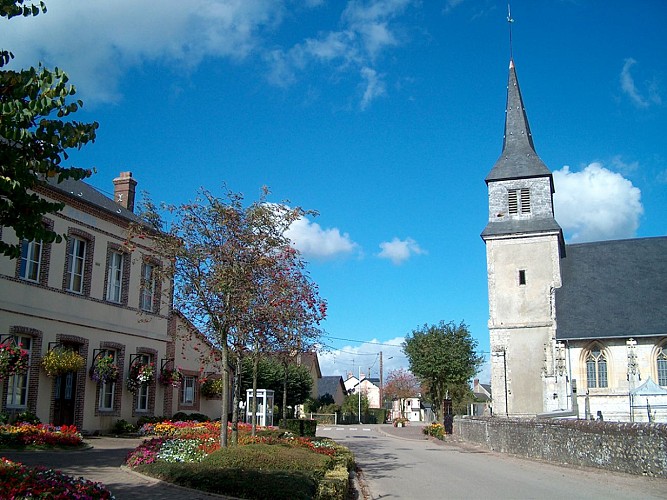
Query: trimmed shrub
301	427
122	426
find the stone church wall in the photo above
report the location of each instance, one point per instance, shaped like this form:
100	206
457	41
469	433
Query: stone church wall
635	448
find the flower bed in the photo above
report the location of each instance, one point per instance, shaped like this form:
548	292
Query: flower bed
18	481
436	430
189	454
25	435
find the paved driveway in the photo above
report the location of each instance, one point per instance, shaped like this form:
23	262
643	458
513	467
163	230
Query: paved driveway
102	463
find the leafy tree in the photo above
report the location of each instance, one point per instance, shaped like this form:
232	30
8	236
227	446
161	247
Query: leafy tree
225	259
400	385
35	132
270	376
351	404
443	356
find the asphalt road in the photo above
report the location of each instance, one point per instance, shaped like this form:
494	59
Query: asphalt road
412	467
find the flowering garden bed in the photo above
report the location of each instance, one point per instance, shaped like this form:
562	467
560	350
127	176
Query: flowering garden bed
272	464
39	436
18	481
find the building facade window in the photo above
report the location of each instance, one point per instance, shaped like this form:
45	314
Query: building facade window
31	259
76	267
108	389
144	389
115	277
17	385
518	201
596	369
188	390
147	287
662	367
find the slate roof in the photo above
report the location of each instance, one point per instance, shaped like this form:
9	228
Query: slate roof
522	226
88	194
613	289
518	158
329	385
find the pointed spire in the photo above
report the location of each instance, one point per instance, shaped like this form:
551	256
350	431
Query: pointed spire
518	159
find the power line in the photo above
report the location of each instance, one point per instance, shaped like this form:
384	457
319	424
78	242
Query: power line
363	341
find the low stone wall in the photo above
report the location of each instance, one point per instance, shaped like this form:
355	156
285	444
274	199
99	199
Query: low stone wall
635	448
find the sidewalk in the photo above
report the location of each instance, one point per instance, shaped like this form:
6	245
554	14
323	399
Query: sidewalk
412	431
103	463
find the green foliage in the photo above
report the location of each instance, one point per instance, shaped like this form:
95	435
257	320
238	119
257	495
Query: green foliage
436	430
192	417
254	471
301	427
376	416
35	131
443	356
122	426
270	375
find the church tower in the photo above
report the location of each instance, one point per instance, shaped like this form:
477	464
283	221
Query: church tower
524	245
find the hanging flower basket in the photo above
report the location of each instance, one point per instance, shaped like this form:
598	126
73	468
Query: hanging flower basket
139	374
13	360
171	376
61	360
104	370
211	387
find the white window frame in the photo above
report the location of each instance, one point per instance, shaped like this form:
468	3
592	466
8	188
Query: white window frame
107	389
144	390
147	286
597	360
115	277
17	385
76	268
661	367
188	390
31	260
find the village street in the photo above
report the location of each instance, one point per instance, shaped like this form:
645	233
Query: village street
402	463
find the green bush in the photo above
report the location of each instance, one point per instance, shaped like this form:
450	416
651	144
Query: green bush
28	417
122	426
149	419
301	427
376	416
256	471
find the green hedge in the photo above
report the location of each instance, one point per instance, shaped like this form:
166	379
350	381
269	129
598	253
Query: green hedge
301	426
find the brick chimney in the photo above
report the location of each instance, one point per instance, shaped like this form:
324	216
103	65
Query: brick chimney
124	188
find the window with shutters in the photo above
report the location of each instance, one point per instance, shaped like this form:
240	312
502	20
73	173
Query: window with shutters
518	201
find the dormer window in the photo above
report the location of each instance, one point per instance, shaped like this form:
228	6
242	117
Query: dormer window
519	201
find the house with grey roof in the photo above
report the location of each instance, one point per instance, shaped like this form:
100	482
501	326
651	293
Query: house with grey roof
576	330
333	386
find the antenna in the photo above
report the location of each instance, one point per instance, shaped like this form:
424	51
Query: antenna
509	22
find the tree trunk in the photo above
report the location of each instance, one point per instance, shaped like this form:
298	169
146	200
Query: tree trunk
236	399
285	393
255	369
225	394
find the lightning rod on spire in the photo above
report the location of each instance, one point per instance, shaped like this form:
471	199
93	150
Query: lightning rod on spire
509	23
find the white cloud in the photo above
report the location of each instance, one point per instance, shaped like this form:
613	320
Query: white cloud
596	204
375	87
313	241
633	92
350	359
398	251
98	42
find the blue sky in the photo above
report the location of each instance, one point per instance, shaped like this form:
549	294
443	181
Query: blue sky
384	116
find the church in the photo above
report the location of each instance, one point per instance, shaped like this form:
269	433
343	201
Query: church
576	330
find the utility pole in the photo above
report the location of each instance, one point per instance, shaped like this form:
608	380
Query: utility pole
359	391
381	383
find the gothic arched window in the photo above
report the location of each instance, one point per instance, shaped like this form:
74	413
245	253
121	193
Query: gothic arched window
596	368
662	367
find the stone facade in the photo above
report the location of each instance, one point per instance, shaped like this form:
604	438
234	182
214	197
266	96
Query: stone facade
623	447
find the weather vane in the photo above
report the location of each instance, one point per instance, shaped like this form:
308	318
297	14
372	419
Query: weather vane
509	22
